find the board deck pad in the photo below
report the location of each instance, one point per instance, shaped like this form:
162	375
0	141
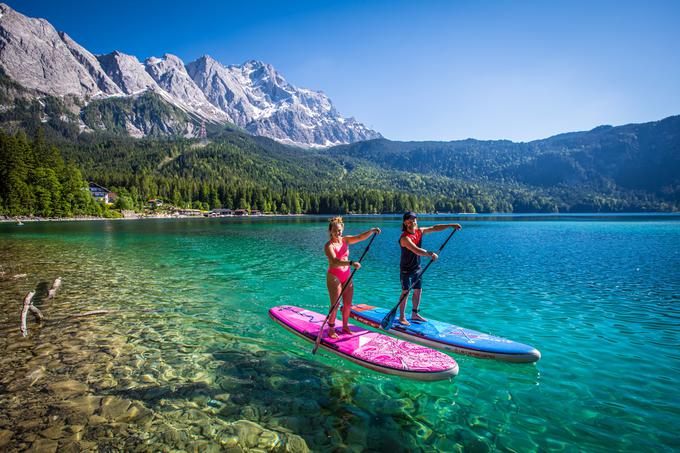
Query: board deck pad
371	349
449	337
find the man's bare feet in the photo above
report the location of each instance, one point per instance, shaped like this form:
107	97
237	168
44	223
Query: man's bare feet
416	317
346	330
404	322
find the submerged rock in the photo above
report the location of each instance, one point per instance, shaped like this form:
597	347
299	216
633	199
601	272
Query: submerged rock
54	432
5	436
96	420
68	388
106	383
295	444
30	424
71	446
86	404
251	413
248	432
44	446
139	414
203	447
115	408
35	375
76	428
147	378
171	436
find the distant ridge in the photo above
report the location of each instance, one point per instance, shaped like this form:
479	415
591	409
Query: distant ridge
631	158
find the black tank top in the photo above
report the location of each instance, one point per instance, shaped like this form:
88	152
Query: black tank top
410	262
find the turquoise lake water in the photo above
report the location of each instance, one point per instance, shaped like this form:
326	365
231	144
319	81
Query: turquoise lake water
599	296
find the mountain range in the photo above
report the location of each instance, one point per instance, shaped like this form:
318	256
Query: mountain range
175	98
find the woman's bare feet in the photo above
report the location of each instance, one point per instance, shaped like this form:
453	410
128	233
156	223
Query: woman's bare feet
345	330
404	322
331	332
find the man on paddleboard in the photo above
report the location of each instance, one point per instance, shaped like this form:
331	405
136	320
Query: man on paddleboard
409	265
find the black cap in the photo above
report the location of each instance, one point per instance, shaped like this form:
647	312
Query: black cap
410	215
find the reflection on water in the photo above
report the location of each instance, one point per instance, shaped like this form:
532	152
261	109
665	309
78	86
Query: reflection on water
186	357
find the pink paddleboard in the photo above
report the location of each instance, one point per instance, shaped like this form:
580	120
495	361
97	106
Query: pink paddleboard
368	348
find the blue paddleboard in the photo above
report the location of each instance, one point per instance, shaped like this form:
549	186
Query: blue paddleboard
450	337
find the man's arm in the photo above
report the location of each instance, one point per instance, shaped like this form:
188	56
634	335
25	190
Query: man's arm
408	243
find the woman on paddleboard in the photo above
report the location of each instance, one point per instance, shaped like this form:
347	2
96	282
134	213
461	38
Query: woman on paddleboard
339	270
409	265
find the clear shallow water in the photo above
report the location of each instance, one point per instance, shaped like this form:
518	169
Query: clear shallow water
188	342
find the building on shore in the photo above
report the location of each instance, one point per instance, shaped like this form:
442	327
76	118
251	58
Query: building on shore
223	212
102	194
190	212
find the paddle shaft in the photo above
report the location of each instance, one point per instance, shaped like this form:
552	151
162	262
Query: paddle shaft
387	320
337	302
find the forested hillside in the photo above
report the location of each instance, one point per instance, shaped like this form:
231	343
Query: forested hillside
609	169
633	167
239	171
34	180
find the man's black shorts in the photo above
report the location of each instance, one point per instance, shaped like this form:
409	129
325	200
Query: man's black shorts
407	279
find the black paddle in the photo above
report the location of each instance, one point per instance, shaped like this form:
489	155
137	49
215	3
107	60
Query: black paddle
334	306
389	318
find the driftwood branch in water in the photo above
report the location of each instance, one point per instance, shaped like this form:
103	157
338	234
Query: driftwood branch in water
36	312
93	312
24	312
55	286
28	305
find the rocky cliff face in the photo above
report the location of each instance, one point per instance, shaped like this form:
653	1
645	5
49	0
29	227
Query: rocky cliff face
127	72
254	96
171	75
257	98
34	54
92	66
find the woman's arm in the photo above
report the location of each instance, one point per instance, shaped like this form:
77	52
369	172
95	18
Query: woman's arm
440	227
361	237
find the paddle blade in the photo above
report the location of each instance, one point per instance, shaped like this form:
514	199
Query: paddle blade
387	321
318	340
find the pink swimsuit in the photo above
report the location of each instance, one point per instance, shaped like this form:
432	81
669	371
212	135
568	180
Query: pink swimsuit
341	253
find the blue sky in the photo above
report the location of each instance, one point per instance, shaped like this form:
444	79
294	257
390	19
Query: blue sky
430	70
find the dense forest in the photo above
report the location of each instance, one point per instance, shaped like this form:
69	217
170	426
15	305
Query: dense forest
46	159
35	180
238	171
